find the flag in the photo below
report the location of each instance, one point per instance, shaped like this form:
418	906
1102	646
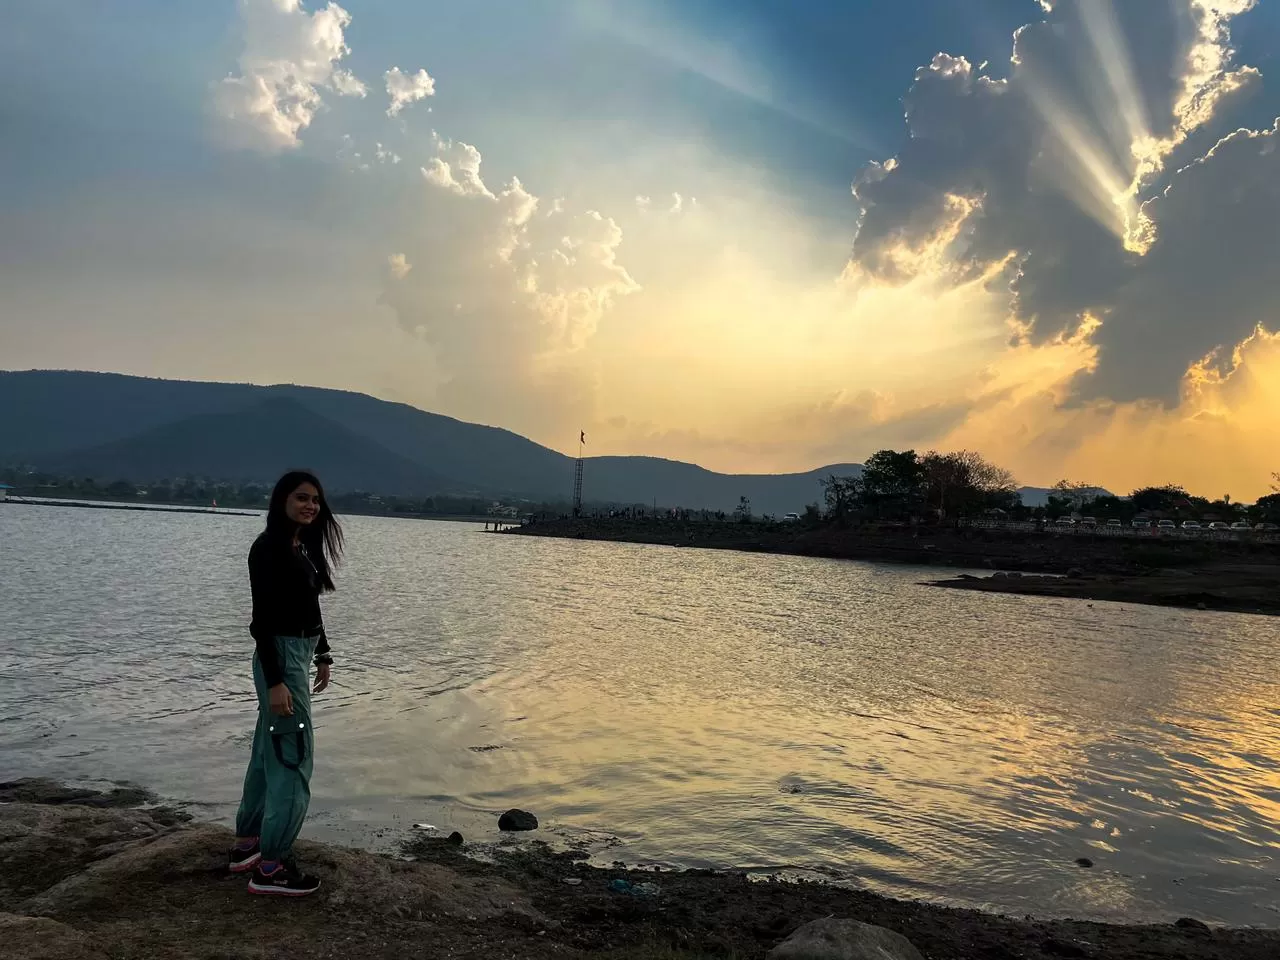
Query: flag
583	438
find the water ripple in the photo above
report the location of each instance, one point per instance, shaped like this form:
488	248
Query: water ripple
802	717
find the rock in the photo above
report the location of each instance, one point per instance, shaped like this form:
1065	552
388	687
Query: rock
1193	925
41	845
39	938
1084	862
647	890
1075	573
1063	948
573	881
832	939
517	821
456	839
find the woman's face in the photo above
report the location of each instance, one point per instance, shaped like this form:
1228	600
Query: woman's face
303	505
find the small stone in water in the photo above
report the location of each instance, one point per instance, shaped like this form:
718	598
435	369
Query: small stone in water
573	881
1083	862
424	826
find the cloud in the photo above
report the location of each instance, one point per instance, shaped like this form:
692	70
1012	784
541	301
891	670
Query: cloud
456	168
1219	439
1070	179
289	56
405	89
398	266
508	288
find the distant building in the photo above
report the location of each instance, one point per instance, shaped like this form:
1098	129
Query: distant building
4	491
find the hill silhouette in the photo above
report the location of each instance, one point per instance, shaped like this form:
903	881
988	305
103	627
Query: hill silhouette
112	426
251	444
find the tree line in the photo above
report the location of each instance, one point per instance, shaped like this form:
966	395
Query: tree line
904	485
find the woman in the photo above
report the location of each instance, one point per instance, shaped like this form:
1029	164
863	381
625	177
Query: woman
290	565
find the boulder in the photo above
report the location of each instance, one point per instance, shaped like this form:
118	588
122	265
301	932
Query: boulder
517	820
832	939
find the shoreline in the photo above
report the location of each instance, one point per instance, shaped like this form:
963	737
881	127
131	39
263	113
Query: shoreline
1239	590
88	875
1239	577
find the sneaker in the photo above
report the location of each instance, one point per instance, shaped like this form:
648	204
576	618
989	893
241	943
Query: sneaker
243	860
285	880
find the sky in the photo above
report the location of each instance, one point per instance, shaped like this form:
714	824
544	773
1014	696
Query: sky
760	235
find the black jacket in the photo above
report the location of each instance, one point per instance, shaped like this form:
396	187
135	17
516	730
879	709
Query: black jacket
286	600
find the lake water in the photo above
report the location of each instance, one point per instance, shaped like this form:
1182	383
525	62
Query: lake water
676	706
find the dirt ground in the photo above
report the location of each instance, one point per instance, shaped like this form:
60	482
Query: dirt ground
94	876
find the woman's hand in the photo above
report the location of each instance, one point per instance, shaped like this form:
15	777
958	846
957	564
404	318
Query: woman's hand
281	700
322	677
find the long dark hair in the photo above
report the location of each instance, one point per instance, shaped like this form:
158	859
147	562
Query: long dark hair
322	537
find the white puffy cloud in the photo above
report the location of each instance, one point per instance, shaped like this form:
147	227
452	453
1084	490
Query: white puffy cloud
289	56
405	89
506	286
1073	180
398	266
456	167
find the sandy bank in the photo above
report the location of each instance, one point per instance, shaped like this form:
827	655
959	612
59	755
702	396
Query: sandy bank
92	876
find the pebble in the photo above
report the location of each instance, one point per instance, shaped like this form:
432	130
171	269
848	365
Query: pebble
1083	862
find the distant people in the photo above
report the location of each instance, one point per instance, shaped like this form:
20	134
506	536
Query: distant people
290	565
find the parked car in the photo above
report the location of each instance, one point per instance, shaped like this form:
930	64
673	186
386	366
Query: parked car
1088	521
1191	525
1165	525
1241	525
1218	525
1066	522
1141	523
1114	523
1266	526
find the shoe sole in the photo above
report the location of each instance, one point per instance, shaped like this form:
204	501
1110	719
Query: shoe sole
280	891
244	866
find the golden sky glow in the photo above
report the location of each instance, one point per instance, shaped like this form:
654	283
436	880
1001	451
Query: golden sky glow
639	230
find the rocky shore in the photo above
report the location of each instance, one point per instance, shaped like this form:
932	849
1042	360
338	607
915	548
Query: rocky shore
110	875
1196	574
1235	588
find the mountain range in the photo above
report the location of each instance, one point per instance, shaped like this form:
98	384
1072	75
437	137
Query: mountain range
111	426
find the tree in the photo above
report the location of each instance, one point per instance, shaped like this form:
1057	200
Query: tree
1166	499
841	497
964	481
892	483
1268	507
743	510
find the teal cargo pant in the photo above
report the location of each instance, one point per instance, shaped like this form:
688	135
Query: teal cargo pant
277	785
